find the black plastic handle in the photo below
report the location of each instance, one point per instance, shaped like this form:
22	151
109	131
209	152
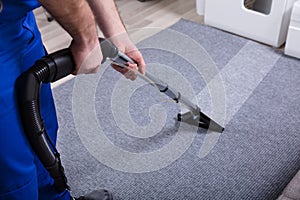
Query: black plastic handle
61	63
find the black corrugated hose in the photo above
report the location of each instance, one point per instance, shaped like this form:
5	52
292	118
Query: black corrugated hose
48	69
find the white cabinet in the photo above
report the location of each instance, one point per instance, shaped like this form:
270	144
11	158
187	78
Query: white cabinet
267	22
292	46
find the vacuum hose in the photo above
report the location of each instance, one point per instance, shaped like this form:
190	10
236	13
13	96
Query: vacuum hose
48	69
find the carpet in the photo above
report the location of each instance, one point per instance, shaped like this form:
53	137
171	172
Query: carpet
121	135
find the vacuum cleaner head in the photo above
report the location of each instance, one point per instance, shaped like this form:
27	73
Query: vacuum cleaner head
201	120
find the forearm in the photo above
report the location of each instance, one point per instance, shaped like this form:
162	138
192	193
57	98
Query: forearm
76	18
111	25
108	19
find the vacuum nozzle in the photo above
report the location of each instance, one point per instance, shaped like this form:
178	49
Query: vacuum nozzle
200	120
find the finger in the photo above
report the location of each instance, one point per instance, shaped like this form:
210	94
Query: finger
130	75
132	66
133	70
122	70
138	58
141	64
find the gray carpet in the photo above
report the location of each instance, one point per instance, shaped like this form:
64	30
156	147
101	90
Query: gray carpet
121	135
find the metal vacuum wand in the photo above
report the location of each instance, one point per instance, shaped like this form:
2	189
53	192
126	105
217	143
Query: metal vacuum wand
194	116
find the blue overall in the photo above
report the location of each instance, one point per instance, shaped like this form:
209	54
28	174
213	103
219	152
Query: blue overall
22	176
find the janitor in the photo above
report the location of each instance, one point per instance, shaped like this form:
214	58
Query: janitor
22	176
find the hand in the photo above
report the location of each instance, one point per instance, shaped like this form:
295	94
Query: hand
87	56
78	20
126	46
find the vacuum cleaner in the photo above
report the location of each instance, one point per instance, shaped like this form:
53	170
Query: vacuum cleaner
59	64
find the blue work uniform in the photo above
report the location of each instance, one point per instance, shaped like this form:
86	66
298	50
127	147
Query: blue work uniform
22	176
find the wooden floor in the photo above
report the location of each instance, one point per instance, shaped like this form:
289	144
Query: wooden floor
142	19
